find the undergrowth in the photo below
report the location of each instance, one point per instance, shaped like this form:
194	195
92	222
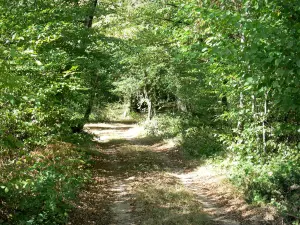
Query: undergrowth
115	112
164	125
196	138
275	182
36	187
265	179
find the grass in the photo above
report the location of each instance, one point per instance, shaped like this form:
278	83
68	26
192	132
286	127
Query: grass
162	200
147	169
159	198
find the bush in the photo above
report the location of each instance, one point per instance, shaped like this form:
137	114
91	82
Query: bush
200	141
164	125
114	112
276	182
196	138
36	187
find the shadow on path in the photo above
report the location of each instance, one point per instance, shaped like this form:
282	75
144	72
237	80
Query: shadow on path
145	180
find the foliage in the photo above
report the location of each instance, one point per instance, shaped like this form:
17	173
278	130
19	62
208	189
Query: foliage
200	142
115	112
51	65
196	138
36	188
230	69
166	126
233	66
275	182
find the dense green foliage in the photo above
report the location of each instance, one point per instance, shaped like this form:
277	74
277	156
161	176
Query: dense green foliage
226	72
232	69
37	187
51	66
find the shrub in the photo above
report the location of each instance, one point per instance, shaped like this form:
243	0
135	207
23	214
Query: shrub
164	125
275	182
36	187
200	142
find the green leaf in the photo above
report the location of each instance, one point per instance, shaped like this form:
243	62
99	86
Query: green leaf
280	72
39	63
275	84
249	80
13	52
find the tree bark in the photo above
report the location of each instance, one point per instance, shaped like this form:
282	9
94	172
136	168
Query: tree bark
90	18
127	107
93	84
94	80
240	122
149	104
89	108
264	122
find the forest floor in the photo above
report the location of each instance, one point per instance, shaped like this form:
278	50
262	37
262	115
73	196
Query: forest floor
145	180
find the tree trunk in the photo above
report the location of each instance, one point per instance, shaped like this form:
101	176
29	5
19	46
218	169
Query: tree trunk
254	114
79	127
89	19
240	122
89	107
150	114
264	122
94	80
181	106
127	107
149	104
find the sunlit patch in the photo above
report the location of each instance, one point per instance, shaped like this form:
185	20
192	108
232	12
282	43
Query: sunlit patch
207	171
162	199
106	132
143	179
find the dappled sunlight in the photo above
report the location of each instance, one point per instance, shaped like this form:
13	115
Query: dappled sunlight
207	172
105	132
221	200
125	157
139	179
161	199
97	96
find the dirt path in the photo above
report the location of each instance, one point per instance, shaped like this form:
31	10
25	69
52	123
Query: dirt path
143	180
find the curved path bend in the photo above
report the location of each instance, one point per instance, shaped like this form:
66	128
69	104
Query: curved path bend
143	180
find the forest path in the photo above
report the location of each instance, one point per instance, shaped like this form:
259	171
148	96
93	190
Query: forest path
145	180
